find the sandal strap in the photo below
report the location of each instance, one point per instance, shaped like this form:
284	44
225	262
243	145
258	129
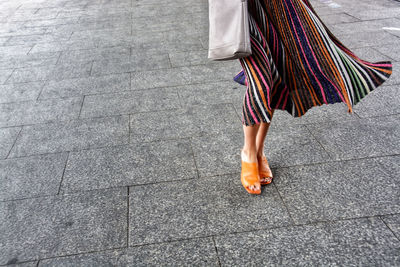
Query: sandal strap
250	173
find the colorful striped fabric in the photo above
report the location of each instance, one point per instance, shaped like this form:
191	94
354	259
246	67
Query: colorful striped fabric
297	63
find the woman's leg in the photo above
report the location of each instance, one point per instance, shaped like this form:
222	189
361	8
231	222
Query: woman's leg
261	135
249	150
260	142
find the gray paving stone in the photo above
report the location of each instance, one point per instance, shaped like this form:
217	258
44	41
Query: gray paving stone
129	165
99	34
184	122
336	18
395	77
19	30
211	93
371	26
3	40
6	51
62	225
325	244
393	222
34	39
159	78
392	51
98	54
293	145
184	75
135	63
357	139
371	54
190	58
4	75
327	10
35	24
31	176
20	91
319	114
7	139
218	154
62	46
31	74
165	43
71	70
106	37
376	13
364	39
195	252
340	190
200	207
160	23
83	86
130	102
382	101
28	61
8	26
71	135
32	14
111	15
103	24
32	111
25	264
284	146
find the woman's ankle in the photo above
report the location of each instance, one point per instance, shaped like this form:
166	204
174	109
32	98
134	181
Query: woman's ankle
249	155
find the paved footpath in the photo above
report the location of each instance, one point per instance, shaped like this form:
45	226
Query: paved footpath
119	144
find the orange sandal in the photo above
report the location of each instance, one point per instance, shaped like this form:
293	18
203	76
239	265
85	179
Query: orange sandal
250	177
264	170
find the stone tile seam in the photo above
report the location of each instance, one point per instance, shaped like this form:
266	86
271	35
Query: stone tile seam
63	173
9	76
189	179
118	187
208	237
60	53
111	249
237	112
284	203
37	101
122	91
335	161
391	33
15	141
216	251
194	159
151	111
54	121
102	147
379	116
91	67
390	229
41	90
127	216
129	128
360	20
71	255
190	140
379	52
330	153
36	261
180	100
125	114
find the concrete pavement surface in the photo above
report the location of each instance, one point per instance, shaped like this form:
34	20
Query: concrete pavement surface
119	144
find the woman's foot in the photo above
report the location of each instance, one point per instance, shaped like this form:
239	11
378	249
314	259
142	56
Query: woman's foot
264	170
249	176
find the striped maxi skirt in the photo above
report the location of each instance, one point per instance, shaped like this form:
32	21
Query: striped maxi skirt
297	63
